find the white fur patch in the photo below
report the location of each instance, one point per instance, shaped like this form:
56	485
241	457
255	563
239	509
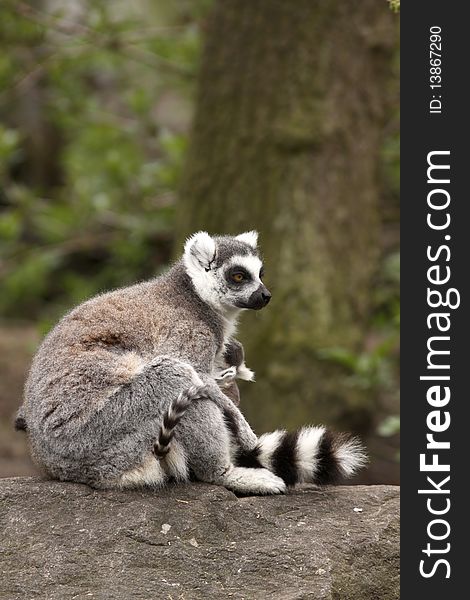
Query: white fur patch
308	443
199	253
267	444
230	323
203	282
249	237
251	263
175	463
149	473
253	481
351	457
129	366
244	373
199	250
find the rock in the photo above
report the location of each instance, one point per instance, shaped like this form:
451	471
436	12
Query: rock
61	541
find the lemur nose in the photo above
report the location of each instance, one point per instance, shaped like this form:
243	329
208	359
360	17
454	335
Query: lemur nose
266	296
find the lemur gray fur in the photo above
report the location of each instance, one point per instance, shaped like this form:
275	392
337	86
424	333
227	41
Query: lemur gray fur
106	376
229	366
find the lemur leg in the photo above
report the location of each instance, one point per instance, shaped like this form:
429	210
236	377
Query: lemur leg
238	425
206	441
171	376
131	462
117	437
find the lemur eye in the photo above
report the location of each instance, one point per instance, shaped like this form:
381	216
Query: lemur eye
238	277
261	273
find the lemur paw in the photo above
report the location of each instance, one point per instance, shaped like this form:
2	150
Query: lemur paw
254	482
226	374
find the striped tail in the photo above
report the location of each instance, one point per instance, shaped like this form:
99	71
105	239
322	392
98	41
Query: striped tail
173	416
308	455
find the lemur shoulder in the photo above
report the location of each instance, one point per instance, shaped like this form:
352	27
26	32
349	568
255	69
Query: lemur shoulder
127	389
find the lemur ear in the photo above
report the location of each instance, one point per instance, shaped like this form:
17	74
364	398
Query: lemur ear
249	237
199	251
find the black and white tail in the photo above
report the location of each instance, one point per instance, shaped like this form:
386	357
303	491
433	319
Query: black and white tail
174	415
308	455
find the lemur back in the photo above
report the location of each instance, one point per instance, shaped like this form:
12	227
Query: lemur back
129	366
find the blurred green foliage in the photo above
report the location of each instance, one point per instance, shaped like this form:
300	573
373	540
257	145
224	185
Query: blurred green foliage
90	154
389	426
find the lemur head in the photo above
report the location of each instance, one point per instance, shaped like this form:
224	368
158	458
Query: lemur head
226	271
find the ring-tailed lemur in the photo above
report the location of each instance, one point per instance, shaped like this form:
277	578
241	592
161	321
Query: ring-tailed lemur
106	377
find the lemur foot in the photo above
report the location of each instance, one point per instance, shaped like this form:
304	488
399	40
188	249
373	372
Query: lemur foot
253	481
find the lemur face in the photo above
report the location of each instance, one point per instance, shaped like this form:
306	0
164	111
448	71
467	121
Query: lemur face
243	286
227	271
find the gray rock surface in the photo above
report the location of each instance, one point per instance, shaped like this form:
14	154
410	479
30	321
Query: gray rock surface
61	541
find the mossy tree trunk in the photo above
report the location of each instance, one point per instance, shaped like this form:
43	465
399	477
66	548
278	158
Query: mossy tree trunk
287	135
